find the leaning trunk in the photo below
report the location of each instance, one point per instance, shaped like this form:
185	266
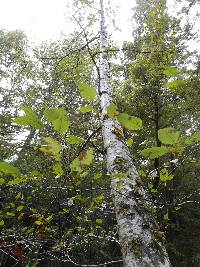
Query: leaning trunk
141	241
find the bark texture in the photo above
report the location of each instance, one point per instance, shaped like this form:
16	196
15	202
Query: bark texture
141	241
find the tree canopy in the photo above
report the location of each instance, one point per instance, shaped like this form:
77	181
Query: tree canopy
78	117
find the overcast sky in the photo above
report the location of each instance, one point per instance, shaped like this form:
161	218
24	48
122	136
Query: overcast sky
46	19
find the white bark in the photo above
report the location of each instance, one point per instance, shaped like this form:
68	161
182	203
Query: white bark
140	238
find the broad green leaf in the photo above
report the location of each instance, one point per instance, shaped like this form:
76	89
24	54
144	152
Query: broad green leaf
9	169
85	109
58	118
194	138
129	142
165	176
53	148
170	71
2	181
87	91
2	223
57	169
74	140
30	118
154	152
130	122
112	111
168	136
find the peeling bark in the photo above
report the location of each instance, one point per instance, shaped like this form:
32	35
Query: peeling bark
141	241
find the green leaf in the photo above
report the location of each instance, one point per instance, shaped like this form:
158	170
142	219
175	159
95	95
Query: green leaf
49	218
79	198
57	169
17	181
74	140
165	176
20	208
194	138
58	118
2	223
130	122
87	91
168	136
53	148
154	152
129	142
112	111
2	181
85	109
76	165
170	71
176	84
99	221
30	118
11	214
9	169
166	217
38	222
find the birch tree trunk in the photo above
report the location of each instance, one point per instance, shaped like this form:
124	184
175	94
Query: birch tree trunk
141	241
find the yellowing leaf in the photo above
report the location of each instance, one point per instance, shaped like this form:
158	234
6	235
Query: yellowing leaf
85	158
58	118
53	148
168	136
154	152
130	122
30	118
87	91
88	157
